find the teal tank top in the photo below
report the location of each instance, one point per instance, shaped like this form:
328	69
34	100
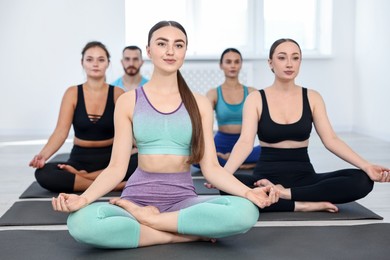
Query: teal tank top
229	114
161	133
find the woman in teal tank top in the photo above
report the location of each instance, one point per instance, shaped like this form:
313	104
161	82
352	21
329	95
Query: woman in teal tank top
164	209
228	102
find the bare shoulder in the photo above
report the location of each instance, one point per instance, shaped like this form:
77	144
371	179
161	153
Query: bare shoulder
254	96
253	101
212	91
71	93
69	99
127	97
71	89
202	101
117	92
212	94
314	96
252	89
126	101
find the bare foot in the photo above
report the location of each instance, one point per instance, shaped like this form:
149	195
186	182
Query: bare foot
283	192
179	238
224	156
144	215
206	239
247	166
150	236
71	169
315	206
263	183
120	186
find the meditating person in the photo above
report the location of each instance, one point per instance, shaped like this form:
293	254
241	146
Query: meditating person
228	100
173	129
89	108
282	115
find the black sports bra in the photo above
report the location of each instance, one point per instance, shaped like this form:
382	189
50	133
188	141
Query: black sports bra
94	127
270	132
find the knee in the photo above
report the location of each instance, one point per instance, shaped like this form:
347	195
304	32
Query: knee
53	179
245	213
44	178
364	183
81	225
105	226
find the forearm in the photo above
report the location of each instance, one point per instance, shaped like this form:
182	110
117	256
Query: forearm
105	182
343	151
54	143
238	155
222	180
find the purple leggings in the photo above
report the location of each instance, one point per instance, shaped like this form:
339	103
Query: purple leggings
166	191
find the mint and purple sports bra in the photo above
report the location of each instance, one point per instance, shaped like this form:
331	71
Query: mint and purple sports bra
161	133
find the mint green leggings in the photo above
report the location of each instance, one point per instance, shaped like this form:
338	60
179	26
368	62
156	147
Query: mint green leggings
108	226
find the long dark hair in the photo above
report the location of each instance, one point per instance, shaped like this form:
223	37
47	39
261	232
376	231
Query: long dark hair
197	140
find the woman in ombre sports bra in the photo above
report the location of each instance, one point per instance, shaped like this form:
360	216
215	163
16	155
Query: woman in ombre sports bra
282	115
89	108
228	101
173	129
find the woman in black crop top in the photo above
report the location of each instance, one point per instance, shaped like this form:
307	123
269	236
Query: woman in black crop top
282	115
89	108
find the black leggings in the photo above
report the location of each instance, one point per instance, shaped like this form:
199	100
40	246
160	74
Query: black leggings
54	179
292	169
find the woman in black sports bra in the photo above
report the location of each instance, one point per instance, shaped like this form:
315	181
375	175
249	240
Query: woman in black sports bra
89	108
282	115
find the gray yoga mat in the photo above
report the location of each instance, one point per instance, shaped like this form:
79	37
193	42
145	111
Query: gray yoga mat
30	213
318	242
36	191
347	211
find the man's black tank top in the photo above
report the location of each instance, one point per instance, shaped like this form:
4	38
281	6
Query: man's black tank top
270	132
92	127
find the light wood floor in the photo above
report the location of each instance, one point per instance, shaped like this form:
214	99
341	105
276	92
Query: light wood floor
16	176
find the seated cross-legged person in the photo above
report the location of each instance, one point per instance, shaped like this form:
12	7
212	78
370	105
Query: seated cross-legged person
173	129
228	101
89	107
282	115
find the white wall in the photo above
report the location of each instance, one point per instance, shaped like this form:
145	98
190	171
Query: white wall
41	42
40	53
372	89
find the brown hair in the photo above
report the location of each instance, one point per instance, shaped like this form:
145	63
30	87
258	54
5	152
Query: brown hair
132	48
229	50
197	140
277	43
280	41
95	44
